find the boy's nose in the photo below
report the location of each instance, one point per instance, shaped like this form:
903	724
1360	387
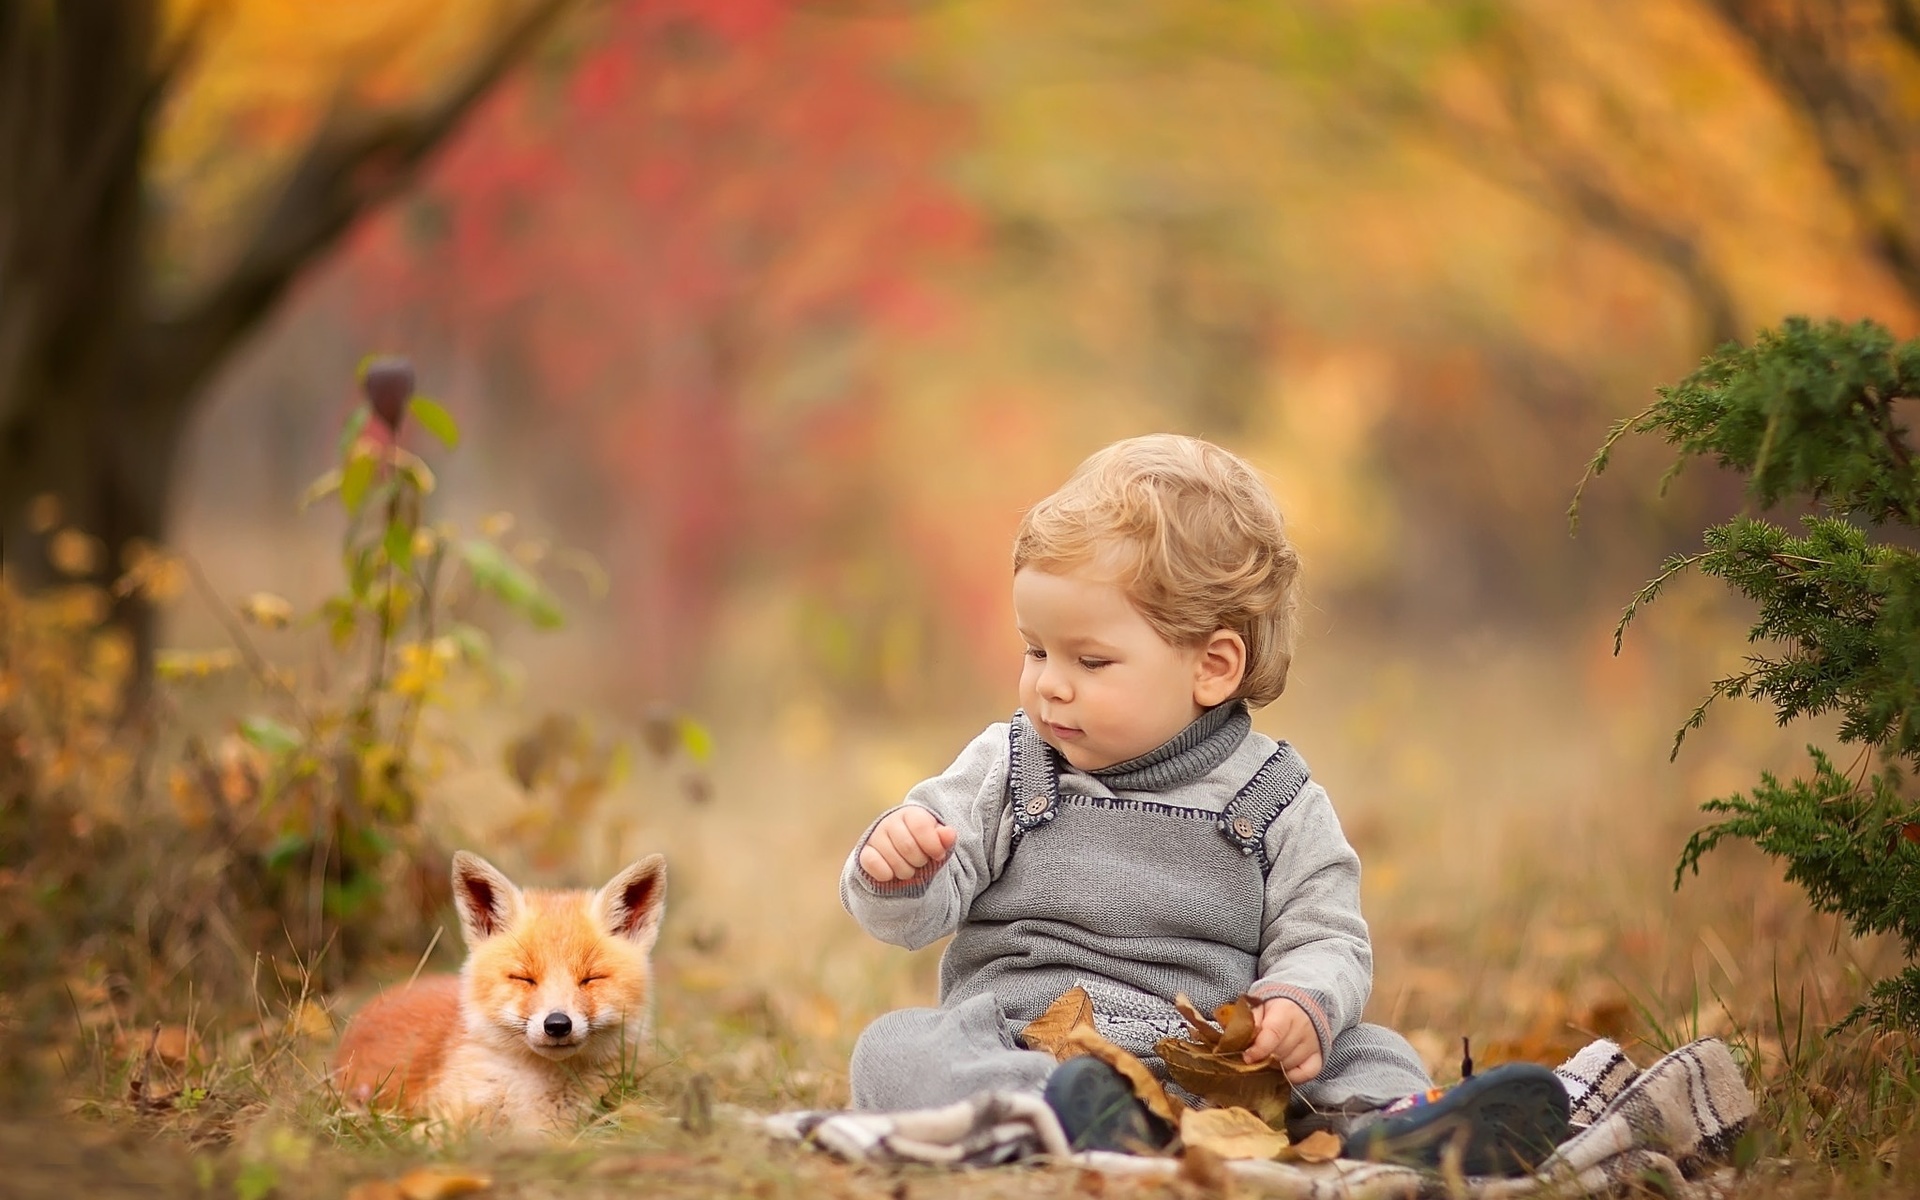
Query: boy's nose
558	1025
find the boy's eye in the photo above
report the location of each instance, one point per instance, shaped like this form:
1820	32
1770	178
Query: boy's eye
1094	664
526	979
1034	652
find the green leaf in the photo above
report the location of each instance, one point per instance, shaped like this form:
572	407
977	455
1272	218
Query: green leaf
351	431
326	485
436	419
498	574
356	478
285	849
270	735
399	545
694	738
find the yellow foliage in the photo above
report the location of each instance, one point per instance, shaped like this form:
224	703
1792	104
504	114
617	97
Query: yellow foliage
263	76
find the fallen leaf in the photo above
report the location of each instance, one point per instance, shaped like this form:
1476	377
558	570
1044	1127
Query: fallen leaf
1203	1029
1237	1026
1230	1133
1318	1147
375	1189
1227	1079
1050	1030
311	1021
438	1183
643	1164
1084	1040
1206	1172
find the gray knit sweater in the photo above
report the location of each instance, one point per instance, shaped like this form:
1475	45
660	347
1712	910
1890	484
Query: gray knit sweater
1307	942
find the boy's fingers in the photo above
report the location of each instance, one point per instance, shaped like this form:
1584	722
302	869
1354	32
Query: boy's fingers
1306	1070
875	864
906	848
932	844
1265	1043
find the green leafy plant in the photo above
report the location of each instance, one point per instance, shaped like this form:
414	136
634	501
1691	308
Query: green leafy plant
1815	415
325	782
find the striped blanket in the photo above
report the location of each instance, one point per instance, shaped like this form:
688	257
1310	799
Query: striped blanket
1670	1129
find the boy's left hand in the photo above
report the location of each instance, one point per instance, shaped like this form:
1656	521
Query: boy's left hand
1284	1034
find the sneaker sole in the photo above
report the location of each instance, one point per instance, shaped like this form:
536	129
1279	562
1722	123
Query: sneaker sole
1506	1126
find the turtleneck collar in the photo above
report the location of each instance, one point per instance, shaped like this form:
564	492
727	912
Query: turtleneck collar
1187	755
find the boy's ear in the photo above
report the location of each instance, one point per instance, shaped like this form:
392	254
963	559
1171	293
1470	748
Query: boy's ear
1221	667
632	903
486	899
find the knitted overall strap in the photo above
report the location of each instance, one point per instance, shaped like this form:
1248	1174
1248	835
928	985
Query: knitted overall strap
1033	791
1277	783
1033	777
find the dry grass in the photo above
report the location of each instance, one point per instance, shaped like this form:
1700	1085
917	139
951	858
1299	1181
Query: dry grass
1513	806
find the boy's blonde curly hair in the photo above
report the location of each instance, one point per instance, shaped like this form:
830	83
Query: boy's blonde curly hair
1194	539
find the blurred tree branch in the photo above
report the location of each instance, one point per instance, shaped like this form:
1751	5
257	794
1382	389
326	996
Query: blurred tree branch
95	384
1820	56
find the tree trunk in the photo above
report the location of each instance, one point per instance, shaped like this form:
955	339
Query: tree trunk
95	385
77	90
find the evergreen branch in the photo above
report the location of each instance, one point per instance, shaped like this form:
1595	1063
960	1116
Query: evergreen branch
1598	463
1731	688
1673	566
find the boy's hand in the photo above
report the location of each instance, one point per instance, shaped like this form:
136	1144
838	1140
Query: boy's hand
904	842
1285	1034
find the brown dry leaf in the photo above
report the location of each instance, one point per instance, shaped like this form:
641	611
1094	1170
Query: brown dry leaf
438	1183
1237	1026
1318	1147
1152	1094
1230	1133
1206	1172
310	1020
1226	1079
172	1043
1202	1029
375	1189
1050	1030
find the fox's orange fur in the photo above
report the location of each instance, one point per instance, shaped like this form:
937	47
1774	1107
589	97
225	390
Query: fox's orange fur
556	991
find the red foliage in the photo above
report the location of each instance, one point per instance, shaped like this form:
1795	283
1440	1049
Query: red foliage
661	235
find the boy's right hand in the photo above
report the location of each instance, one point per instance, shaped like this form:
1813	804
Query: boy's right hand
903	843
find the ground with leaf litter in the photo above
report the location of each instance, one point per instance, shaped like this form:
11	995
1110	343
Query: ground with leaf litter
1530	926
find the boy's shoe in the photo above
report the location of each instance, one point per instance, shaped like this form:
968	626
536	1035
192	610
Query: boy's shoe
1098	1110
1504	1121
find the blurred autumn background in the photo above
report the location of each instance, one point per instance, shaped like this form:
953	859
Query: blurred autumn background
765	320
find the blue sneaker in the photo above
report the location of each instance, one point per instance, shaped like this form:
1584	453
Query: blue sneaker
1504	1121
1098	1110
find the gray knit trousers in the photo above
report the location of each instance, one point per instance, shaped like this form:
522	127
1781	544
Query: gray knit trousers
926	1057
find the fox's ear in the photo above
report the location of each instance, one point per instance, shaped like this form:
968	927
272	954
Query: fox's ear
487	900
633	901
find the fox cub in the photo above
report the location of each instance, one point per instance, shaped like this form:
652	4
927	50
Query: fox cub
557	988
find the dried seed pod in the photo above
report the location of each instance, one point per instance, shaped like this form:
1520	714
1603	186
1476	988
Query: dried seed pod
388	383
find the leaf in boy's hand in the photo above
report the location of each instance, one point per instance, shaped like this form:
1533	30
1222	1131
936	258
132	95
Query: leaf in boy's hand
1049	1031
1230	1133
1227	1079
1237	1026
1321	1146
1084	1040
1202	1030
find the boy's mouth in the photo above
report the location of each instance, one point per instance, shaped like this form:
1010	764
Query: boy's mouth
1065	733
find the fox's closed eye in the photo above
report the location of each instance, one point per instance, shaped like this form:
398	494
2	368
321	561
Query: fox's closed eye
587	979
526	979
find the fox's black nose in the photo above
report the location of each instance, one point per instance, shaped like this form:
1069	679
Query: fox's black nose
558	1025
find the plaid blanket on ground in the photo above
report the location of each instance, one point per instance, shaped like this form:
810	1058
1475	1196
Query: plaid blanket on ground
1668	1128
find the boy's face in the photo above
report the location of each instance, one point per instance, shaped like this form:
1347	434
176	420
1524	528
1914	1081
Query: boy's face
1099	683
